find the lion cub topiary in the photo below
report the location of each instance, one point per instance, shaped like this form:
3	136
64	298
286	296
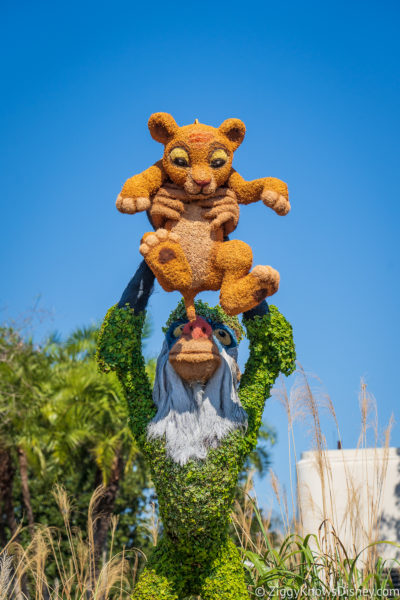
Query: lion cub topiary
192	197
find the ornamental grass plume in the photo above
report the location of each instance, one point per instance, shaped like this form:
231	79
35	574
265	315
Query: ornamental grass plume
300	567
298	563
6	569
153	527
243	518
40	571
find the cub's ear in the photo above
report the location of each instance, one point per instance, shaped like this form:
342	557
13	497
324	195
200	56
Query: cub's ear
234	130
162	127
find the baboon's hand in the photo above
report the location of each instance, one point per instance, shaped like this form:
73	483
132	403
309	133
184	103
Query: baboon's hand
223	213
165	208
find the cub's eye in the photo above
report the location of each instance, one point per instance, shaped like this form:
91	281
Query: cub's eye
178	330
223	336
180	162
218	158
179	157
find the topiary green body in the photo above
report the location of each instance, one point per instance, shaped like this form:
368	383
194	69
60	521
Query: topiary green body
195	554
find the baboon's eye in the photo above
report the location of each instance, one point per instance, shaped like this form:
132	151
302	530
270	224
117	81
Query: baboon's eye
179	157
223	336
218	158
178	330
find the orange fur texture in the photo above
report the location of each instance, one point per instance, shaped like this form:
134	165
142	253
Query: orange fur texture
192	197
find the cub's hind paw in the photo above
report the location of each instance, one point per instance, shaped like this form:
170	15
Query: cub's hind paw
277	202
268	281
132	205
164	255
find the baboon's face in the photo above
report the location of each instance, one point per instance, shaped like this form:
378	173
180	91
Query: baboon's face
195	348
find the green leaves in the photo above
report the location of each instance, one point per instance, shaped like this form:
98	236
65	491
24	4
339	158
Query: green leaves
299	568
72	423
272	352
215	313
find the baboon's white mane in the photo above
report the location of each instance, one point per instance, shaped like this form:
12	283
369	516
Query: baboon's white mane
196	417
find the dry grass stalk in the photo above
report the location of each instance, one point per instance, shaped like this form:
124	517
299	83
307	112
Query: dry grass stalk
331	559
5	575
304	402
243	519
77	578
294	412
154	526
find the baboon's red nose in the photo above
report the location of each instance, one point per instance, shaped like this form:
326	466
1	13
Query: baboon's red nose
198	329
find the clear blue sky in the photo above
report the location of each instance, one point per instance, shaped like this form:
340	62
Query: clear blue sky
317	85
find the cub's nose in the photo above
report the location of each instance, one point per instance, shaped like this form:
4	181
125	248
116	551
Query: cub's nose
202	182
198	329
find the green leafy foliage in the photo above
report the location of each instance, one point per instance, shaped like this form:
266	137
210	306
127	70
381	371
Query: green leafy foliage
214	313
314	566
72	423
272	352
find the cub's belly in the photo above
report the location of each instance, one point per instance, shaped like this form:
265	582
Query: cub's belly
198	242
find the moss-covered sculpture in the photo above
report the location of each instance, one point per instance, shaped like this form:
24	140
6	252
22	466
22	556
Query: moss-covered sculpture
192	197
196	450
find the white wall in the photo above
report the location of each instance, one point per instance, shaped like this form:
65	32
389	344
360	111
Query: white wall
357	486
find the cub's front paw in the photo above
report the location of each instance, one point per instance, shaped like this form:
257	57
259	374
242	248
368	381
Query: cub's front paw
132	205
164	255
276	201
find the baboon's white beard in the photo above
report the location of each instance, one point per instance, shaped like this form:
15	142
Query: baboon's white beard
195	417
